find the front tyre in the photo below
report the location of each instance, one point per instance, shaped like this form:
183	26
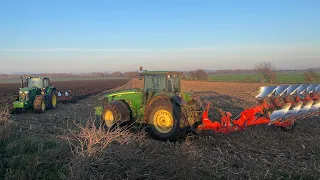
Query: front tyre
163	118
39	104
114	114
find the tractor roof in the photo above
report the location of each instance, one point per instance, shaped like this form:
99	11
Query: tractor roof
160	73
41	77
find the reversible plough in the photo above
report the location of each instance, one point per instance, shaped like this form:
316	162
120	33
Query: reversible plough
278	105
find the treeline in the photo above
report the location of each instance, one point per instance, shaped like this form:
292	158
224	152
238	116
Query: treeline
233	71
191	75
198	75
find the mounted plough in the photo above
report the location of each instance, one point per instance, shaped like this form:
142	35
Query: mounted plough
279	105
168	112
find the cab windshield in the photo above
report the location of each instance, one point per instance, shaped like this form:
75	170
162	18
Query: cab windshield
35	82
173	83
155	82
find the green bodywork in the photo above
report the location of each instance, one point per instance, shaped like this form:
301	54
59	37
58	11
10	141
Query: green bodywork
33	86
156	83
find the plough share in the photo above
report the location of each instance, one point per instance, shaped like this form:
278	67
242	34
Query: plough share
278	105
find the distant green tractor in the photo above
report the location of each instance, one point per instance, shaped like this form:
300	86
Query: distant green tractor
36	93
167	112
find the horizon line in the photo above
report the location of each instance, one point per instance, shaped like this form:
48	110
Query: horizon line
313	48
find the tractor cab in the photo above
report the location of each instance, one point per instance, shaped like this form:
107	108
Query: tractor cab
37	82
162	81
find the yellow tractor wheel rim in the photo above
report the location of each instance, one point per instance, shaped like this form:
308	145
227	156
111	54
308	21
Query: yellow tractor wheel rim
108	118
54	100
43	105
163	121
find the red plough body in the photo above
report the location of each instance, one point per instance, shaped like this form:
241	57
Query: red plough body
257	115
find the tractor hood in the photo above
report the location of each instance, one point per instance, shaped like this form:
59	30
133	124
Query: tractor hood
120	93
26	89
131	96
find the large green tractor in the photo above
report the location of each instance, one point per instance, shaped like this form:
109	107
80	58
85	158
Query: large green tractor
167	112
36	93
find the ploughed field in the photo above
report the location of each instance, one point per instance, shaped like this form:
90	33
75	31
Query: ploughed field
79	88
259	152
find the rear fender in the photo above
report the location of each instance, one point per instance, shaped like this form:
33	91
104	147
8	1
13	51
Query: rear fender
178	100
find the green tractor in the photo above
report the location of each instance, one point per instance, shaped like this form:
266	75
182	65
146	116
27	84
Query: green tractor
36	93
167	112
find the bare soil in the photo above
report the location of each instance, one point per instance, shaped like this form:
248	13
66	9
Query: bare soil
34	147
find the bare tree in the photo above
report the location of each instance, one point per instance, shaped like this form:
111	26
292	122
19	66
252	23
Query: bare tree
192	75
201	75
266	71
310	76
117	74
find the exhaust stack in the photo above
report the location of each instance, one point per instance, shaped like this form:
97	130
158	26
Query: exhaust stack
22	84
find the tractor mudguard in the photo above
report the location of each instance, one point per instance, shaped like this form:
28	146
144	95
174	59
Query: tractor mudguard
156	98
179	100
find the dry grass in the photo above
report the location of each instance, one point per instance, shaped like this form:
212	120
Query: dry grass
4	122
90	139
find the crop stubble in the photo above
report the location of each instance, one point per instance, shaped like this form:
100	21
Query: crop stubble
257	153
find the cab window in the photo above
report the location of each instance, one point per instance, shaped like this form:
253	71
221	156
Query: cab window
45	83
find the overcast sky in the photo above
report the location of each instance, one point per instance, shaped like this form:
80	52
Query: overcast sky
86	36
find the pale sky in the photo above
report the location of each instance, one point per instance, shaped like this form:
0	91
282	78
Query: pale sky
90	36
91	60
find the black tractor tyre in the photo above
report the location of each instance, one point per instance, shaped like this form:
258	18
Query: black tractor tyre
118	112
53	96
18	111
176	132
38	104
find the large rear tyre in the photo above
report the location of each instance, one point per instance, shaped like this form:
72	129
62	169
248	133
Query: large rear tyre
163	118
115	114
39	104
